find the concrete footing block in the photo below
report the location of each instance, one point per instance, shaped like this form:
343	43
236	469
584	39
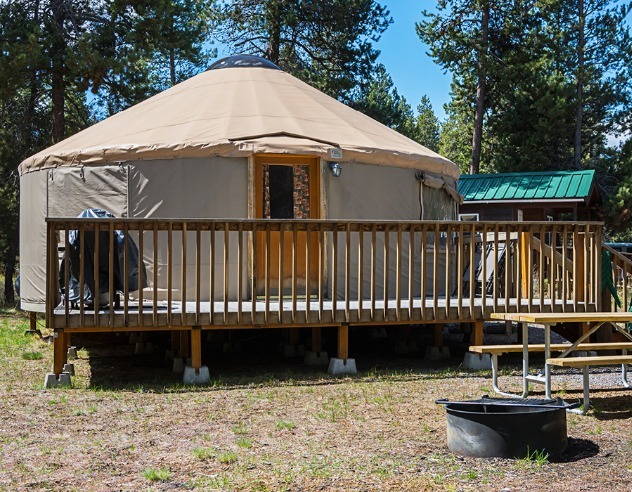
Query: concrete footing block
133	338
70	369
52	381
72	352
316	358
404	347
178	365
291	351
437	353
339	367
201	376
477	362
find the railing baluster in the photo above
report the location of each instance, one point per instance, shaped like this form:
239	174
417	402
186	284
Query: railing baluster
360	270
82	273
386	265
111	292
423	269
294	270
253	273
484	271
67	276
95	271
226	269
496	277
267	274
240	260
435	274
473	278
183	275
347	271
198	273
448	261
169	272
334	251
281	273
155	279
308	272
398	274
139	272
373	269
212	271
321	269
411	271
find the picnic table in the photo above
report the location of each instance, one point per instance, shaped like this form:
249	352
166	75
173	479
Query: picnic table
595	321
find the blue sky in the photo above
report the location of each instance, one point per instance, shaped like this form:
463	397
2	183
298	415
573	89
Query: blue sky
404	56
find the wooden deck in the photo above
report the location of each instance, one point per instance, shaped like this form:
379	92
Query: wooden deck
235	315
428	272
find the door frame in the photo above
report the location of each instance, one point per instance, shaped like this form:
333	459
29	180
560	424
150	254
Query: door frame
256	193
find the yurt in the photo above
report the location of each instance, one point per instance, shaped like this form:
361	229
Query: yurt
243	140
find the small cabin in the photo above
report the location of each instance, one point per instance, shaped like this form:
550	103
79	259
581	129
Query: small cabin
535	196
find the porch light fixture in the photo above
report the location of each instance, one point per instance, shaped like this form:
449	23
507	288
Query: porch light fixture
336	169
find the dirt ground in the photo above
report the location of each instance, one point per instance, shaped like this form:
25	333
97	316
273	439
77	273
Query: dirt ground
266	423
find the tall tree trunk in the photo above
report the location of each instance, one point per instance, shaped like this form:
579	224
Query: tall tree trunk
9	268
57	74
172	66
481	86
579	112
274	13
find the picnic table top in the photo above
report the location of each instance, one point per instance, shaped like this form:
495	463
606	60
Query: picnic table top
554	318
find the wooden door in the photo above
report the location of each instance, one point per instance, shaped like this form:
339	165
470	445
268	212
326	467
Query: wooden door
286	188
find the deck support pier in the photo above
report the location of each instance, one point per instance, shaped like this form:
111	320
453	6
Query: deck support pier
342	364
60	358
405	343
438	350
316	356
291	346
196	373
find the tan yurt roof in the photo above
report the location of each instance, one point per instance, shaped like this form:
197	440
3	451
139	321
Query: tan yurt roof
239	107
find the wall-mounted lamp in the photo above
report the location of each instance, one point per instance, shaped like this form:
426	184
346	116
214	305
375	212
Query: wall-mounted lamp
336	169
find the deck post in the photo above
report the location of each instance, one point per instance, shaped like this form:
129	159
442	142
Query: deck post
477	333
342	364
343	342
59	377
196	347
33	321
195	373
60	352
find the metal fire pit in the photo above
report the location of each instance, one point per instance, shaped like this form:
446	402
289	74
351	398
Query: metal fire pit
506	428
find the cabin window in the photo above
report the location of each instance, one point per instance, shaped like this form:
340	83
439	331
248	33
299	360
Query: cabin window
286	192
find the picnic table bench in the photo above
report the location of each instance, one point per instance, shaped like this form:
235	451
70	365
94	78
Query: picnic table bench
546	320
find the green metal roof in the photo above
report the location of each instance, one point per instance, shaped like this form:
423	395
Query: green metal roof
552	185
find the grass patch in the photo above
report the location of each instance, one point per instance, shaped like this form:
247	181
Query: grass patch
157	474
227	457
285	424
537	458
204	453
32	355
242	442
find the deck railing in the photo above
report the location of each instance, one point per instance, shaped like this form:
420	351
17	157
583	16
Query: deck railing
244	273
